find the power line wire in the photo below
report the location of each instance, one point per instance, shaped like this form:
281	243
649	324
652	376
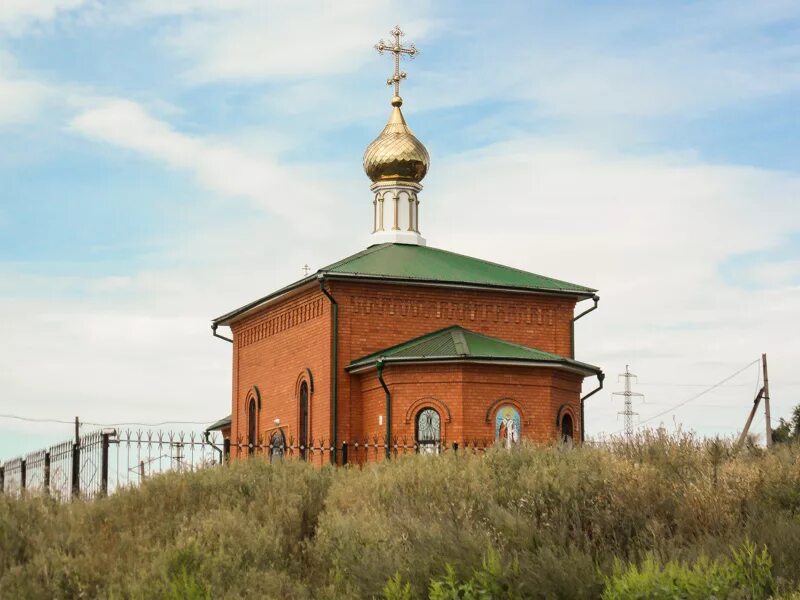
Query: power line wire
94	424
703	393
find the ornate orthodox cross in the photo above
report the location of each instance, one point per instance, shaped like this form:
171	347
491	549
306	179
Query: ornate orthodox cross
398	50
306	270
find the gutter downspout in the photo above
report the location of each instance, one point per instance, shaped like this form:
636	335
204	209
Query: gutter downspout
379	367
334	367
600	377
222	337
206	434
596	299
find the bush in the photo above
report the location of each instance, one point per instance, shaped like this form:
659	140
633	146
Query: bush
538	522
747	575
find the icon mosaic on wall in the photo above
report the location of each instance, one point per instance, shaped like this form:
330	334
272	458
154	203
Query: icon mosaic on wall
508	426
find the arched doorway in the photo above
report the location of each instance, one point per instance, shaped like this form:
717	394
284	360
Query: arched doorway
277	444
566	428
252	427
428	431
303	425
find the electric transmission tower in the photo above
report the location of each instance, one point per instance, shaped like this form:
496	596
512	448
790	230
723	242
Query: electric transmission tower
628	412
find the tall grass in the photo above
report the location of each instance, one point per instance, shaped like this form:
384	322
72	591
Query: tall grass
538	522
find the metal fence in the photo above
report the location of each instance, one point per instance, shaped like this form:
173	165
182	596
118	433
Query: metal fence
355	452
102	462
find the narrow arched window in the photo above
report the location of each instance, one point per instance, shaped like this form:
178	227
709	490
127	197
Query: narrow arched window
428	431
566	428
252	427
303	426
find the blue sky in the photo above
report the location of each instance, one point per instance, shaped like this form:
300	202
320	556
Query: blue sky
162	163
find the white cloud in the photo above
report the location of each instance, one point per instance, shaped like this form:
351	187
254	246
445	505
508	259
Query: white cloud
780	273
651	234
256	40
21	98
16	15
217	166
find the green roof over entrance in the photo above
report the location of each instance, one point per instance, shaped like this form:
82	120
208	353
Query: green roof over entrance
458	344
425	265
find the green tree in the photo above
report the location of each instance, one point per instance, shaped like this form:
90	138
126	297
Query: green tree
788	431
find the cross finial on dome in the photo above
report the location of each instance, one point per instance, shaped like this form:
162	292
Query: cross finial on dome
397	50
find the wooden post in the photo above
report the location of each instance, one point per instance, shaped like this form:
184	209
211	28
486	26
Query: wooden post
750	417
766	400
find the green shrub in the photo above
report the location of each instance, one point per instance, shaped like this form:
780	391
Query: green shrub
748	574
559	523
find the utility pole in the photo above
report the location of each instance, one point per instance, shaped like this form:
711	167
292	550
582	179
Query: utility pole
628	412
762	393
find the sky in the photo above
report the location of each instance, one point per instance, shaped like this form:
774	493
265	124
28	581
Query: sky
162	163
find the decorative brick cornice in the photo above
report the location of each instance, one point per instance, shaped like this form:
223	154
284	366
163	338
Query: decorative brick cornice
283	320
461	311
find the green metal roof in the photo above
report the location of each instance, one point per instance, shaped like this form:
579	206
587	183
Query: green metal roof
423	264
455	343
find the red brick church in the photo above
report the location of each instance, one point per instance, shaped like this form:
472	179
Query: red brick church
403	341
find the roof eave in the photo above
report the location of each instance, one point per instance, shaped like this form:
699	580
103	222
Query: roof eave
246	310
587	293
243	311
584	369
223	423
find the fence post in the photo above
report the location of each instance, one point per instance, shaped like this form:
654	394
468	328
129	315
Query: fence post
455	446
23	471
47	473
2	479
76	470
344	453
104	465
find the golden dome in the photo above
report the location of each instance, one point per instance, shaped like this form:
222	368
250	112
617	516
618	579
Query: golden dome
396	153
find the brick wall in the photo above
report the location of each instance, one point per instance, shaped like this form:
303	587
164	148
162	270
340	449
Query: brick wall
273	348
467	398
373	316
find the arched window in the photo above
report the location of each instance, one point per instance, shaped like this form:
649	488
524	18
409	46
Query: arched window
277	444
428	431
566	428
303	426
252	427
507	426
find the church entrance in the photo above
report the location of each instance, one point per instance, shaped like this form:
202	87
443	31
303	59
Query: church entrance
277	443
566	428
